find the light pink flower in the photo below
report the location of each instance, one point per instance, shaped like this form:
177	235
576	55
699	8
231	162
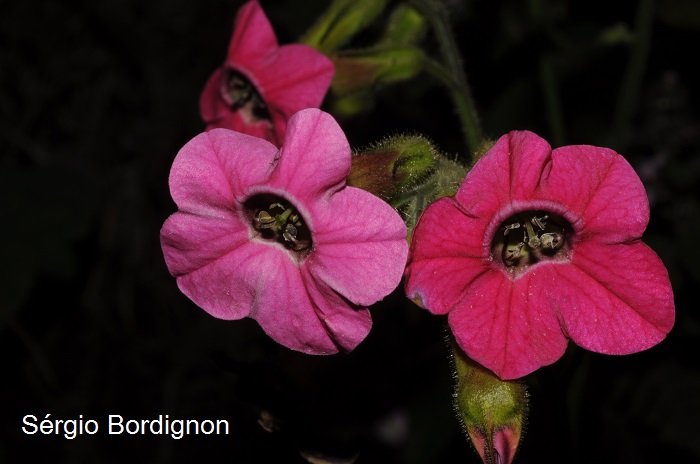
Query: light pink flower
541	246
277	236
261	85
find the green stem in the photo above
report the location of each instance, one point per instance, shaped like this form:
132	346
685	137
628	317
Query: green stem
315	36
462	102
458	86
632	80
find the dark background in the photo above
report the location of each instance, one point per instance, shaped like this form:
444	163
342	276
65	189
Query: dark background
98	96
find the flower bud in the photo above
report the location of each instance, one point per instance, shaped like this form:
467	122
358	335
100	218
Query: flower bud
341	21
393	166
491	410
405	26
482	149
357	70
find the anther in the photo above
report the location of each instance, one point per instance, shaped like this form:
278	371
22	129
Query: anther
290	236
264	220
290	233
510	227
544	237
540	222
534	242
514	253
551	240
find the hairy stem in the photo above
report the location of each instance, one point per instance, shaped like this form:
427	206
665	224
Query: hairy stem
457	83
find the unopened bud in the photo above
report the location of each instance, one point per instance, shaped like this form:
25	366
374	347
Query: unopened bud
491	410
482	149
340	22
393	166
405	26
357	70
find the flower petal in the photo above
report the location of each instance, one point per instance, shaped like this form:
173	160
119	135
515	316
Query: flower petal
615	299
215	169
287	87
346	323
212	107
217	113
529	161
191	242
508	326
275	71
283	307
444	230
486	188
447	254
509	172
593	187
253	38
360	245
599	186
227	287
440	284
315	159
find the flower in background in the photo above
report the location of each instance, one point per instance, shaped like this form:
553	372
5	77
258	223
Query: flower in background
276	235
539	246
261	85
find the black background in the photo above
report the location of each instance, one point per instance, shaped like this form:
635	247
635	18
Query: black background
96	99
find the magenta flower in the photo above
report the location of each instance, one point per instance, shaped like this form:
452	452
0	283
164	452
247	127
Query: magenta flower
277	236
261	85
541	246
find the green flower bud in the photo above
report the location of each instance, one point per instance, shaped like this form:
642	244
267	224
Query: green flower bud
406	26
357	70
492	411
484	146
447	179
341	21
393	166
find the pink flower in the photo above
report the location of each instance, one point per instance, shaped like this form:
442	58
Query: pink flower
277	236
261	85
541	246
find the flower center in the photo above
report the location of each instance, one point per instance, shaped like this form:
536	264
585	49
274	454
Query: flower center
240	93
529	237
276	219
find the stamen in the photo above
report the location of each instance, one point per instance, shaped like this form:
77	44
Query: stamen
514	253
242	96
264	220
551	240
279	222
290	233
533	241
510	227
540	222
546	236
